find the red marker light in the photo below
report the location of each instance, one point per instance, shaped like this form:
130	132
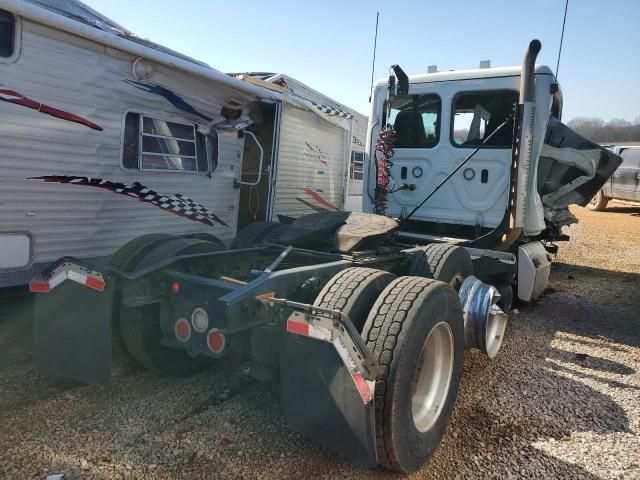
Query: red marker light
182	330
175	287
215	341
39	286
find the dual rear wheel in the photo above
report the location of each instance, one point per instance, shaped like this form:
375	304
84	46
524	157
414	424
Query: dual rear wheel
415	330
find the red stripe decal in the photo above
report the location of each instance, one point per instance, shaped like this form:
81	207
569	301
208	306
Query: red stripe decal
319	199
17	98
316	208
299	328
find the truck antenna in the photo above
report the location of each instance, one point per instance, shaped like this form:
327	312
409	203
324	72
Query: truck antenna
564	21
375	45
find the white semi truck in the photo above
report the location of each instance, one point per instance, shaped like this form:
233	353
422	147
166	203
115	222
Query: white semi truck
361	318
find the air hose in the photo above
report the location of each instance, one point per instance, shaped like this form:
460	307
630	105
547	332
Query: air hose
384	152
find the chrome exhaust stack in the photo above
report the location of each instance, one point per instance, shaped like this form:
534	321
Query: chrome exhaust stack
484	321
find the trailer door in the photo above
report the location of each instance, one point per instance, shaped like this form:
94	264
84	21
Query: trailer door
312	160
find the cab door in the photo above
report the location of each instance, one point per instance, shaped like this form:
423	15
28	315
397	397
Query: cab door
626	179
435	132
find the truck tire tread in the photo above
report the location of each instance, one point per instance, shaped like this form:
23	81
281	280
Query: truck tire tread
440	261
386	332
354	291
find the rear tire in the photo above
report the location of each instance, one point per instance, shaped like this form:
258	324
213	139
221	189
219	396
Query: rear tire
442	261
353	291
415	331
598	203
140	326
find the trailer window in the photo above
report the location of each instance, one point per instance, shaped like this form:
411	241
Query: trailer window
7	33
416	120
477	114
357	165
164	145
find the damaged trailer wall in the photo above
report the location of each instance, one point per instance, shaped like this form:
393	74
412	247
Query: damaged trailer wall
311	164
79	76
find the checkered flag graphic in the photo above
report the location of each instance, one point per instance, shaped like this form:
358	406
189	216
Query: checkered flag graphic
177	204
333	111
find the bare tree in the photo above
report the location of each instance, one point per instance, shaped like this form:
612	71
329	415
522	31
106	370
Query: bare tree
616	130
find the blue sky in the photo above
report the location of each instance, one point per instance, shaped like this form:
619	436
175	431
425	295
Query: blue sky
328	44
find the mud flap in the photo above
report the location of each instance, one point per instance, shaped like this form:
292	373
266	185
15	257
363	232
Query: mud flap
321	401
72	332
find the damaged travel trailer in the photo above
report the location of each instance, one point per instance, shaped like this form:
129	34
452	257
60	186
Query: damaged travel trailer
361	319
106	137
306	153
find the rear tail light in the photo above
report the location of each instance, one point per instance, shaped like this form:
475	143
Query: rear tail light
215	341
182	330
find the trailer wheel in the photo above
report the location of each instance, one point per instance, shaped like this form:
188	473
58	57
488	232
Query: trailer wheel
252	234
207	237
442	261
177	246
599	202
125	259
416	332
353	291
140	326
133	251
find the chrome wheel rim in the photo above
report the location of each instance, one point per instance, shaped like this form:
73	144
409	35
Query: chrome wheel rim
496	326
433	377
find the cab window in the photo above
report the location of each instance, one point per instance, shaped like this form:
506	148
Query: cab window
476	115
416	120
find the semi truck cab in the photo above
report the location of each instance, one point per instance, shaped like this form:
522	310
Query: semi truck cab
526	166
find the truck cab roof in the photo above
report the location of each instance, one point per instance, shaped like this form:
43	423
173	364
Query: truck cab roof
469	74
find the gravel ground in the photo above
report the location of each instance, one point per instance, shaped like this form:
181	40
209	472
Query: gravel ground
561	399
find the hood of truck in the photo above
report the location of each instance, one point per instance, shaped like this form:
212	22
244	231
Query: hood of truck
571	170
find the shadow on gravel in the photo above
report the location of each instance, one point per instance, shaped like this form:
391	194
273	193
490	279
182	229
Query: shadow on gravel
588	361
630	210
20	384
16	318
603	304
